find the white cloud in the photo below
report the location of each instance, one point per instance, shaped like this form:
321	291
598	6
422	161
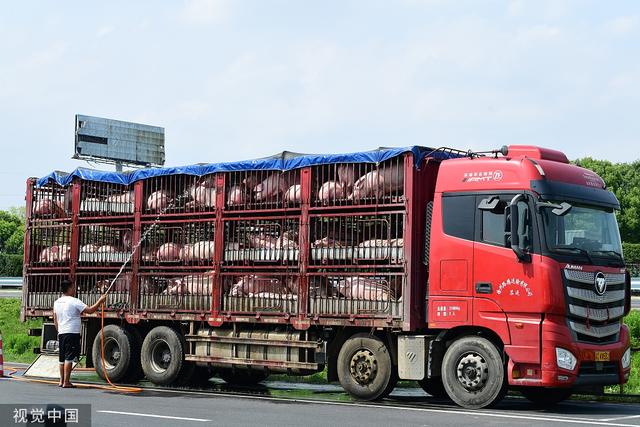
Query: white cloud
105	30
205	11
538	33
623	25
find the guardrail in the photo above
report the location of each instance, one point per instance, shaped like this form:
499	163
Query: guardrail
10	282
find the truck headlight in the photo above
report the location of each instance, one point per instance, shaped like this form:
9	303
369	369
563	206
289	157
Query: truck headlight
565	359
626	359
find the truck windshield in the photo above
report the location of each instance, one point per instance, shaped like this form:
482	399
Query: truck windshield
589	231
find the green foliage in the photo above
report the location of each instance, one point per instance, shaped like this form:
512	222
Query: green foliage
17	344
624	180
11	241
631	252
633	322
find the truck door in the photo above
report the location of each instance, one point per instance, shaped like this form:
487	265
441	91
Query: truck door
500	277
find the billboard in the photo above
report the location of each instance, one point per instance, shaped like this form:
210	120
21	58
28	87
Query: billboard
115	141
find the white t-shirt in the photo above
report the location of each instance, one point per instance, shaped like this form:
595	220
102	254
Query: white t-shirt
68	310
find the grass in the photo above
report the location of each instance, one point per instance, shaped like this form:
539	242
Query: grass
17	345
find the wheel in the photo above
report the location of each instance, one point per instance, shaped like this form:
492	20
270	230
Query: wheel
393	382
434	387
162	355
242	377
473	373
364	367
135	373
119	353
543	397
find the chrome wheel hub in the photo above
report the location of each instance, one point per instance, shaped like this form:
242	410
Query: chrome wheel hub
363	366
160	356
472	371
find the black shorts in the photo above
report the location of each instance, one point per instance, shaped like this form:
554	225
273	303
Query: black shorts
68	347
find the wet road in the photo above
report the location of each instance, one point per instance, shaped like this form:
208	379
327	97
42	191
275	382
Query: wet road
275	406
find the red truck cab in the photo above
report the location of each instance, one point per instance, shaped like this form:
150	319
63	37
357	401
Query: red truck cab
526	247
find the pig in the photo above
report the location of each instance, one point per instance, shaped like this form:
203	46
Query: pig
236	196
327	242
197	251
48	207
168	252
387	180
263	241
158	201
288	240
331	191
368	185
107	249
270	188
121	284
201	284
121	198
254	284
393	177
55	253
204	197
346	175
363	288
293	194
90	248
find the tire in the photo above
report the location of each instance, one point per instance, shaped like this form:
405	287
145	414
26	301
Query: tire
473	373
242	377
544	397
393	382
162	355
119	352
364	367
434	387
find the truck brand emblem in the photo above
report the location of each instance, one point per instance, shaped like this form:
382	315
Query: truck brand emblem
600	283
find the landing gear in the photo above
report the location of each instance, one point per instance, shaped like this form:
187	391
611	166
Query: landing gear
473	373
243	377
365	370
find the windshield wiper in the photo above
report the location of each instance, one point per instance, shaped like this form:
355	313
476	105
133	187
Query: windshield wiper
576	249
618	254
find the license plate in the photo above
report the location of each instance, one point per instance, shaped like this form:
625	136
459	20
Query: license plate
602	356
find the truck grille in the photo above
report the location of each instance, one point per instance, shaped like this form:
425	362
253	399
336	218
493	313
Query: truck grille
594	318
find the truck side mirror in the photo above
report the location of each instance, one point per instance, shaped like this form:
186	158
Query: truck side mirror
517	241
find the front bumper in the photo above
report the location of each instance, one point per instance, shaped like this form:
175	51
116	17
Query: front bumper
588	371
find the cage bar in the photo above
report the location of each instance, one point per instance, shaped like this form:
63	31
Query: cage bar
174	291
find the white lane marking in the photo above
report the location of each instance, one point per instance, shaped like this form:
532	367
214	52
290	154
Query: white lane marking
628	417
168	417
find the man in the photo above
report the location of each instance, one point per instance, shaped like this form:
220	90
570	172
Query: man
66	316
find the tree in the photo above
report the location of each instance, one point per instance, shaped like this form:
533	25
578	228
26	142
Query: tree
11	242
624	180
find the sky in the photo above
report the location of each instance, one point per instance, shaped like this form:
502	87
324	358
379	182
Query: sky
232	80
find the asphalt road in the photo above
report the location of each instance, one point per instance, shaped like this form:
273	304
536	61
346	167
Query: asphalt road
179	408
10	293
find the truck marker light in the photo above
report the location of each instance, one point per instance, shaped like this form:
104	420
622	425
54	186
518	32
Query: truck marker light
563	378
626	359
565	359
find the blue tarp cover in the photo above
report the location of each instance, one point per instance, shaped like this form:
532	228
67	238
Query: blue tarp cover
283	162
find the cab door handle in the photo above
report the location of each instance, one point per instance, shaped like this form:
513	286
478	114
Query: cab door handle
484	288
